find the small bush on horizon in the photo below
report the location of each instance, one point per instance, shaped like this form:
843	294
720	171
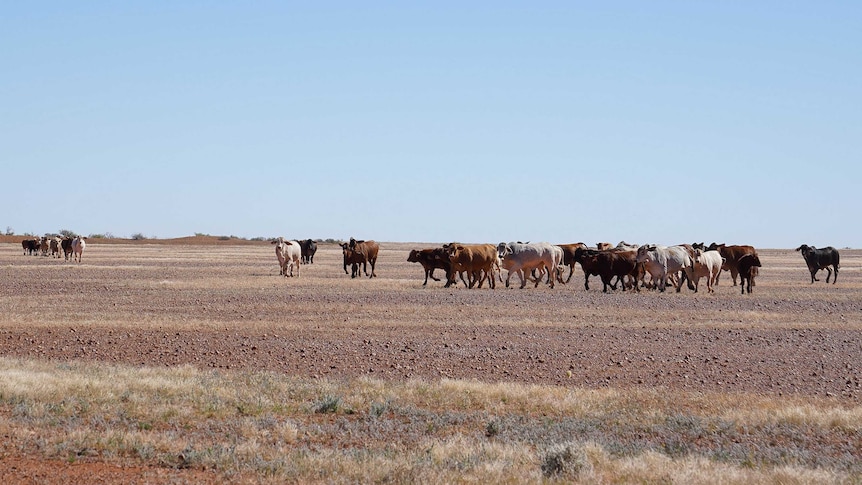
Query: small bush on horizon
138	237
67	233
10	231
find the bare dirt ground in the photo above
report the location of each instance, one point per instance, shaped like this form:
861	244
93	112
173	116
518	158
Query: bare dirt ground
225	306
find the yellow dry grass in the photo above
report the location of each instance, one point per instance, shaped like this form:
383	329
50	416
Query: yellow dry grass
266	425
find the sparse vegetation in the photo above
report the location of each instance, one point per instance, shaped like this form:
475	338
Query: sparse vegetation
10	231
138	236
271	426
67	233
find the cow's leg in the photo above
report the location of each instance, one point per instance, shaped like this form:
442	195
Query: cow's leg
432	276
476	278
606	281
461	275
373	265
586	281
835	279
733	273
522	273
813	276
298	269
571	272
828	273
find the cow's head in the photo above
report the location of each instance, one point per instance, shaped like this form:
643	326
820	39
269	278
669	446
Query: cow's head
715	247
643	252
413	257
699	245
756	261
805	249
504	249
279	244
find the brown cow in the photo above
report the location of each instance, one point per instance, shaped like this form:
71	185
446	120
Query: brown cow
360	252
607	265
44	245
477	260
731	255
569	256
604	246
431	259
54	242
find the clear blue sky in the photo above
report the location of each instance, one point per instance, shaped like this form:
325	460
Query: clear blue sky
667	122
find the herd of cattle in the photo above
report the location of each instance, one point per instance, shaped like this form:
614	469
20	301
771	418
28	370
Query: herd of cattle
72	247
626	266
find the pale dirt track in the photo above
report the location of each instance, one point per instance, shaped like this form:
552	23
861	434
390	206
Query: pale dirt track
226	307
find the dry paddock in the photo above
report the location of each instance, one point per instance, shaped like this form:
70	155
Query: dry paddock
225	306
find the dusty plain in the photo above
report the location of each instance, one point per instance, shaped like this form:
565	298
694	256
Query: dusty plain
222	305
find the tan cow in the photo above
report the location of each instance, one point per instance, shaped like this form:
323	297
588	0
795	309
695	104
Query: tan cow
477	260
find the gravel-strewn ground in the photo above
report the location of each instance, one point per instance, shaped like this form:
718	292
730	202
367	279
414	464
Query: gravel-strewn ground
225	306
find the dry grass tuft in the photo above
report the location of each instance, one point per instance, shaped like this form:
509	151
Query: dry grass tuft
280	429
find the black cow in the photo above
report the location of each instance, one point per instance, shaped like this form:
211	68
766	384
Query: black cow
818	259
748	265
431	259
66	244
308	248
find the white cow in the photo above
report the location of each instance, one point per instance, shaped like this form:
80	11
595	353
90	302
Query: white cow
78	245
289	254
661	261
705	263
522	258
